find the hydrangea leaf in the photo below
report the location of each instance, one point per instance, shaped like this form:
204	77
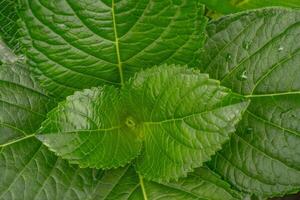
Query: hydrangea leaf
28	169
74	45
23	103
89	129
180	115
257	55
202	184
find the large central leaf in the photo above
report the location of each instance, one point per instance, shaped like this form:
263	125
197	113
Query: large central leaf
79	44
181	116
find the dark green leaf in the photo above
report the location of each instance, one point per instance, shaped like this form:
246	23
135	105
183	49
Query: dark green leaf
257	55
88	129
80	44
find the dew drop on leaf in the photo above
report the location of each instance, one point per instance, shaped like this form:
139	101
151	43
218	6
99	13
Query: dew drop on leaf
243	76
228	57
246	45
249	130
62	26
22	57
280	48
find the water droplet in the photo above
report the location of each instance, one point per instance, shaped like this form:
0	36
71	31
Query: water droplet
62	26
22	57
249	130
280	48
228	57
243	76
246	45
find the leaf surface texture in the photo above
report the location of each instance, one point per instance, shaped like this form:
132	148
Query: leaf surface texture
257	55
180	115
74	45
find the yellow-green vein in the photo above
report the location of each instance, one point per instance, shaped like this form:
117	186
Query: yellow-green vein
17	140
117	42
143	187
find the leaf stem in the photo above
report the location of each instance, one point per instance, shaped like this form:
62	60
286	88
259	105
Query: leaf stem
143	187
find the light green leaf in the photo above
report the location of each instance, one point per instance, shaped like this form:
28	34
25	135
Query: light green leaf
232	6
257	55
181	116
75	45
89	129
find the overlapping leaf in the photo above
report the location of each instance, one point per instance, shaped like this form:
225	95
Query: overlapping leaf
75	45
181	116
23	103
88	129
29	171
257	54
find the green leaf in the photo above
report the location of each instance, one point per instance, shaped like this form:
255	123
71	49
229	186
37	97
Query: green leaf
23	104
88	129
38	174
74	45
257	55
202	184
232	6
8	24
181	116
28	170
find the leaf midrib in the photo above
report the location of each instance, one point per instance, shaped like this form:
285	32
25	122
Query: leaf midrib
117	42
190	115
141	180
17	140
